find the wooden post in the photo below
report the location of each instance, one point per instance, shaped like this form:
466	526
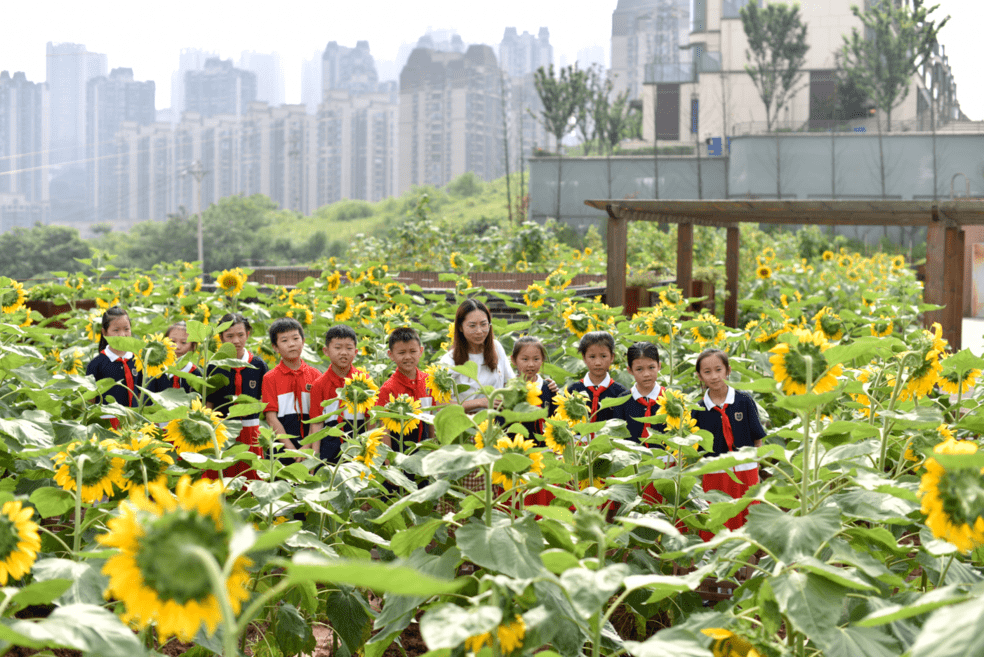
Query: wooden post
685	258
618	240
953	280
933	285
731	270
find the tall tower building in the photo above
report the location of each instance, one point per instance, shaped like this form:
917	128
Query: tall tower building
111	101
69	68
523	54
649	33
219	88
351	69
189	59
269	71
23	151
311	82
450	116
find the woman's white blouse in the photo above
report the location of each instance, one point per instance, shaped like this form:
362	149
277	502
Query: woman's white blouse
496	378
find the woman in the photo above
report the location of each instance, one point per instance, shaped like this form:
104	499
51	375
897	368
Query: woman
474	341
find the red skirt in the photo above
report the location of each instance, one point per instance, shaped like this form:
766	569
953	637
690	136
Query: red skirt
723	482
248	436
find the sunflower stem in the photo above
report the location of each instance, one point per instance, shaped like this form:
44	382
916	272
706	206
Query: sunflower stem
945	569
230	630
488	495
883	457
806	471
77	534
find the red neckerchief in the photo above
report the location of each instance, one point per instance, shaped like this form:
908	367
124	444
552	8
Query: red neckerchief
595	397
726	427
239	373
648	402
127	374
189	368
298	389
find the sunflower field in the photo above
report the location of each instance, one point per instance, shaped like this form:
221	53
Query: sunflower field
865	535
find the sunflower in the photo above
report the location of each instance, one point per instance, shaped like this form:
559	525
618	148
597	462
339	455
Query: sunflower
524	447
864	375
93	327
729	644
951	382
789	363
196	284
671	297
12	297
358	393
180	292
828	256
660	326
101	470
829	323
535	295
365	312
558	280
342	308
392	288
403	405
951	502
572	406
577	321
854	274
440	383
200	429
152	458
397	316
231	281
557	435
673	404
768	254
369	453
898	262
453	260
155	576
928	346
882	327
533	394
844	261
302	314
76	281
143	285
333	281
106	298
201	314
486	429
764	272
156	356
19	541
707	330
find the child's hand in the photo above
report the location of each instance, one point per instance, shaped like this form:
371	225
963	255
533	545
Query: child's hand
552	386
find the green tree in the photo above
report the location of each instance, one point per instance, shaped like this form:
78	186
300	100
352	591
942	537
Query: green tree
776	53
882	60
561	94
27	252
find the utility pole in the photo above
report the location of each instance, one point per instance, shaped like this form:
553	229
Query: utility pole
198	173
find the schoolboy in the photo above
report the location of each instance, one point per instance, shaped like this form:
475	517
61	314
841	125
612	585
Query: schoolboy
287	387
340	347
405	350
597	350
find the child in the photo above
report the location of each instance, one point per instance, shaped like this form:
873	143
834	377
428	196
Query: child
287	387
340	347
732	418
528	356
113	364
239	381
405	350
644	364
178	334
597	349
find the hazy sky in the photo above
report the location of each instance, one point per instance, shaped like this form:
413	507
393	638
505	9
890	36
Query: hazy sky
147	36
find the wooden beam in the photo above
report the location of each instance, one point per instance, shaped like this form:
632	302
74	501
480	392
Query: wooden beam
731	269
933	285
618	241
685	258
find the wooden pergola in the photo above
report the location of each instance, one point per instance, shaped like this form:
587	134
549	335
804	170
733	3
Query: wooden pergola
944	221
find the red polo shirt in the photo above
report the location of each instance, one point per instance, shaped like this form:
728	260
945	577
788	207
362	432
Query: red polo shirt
325	390
399	384
288	393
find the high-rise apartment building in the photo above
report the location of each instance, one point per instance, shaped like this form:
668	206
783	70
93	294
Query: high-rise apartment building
69	68
450	116
219	88
523	54
189	59
269	71
311	82
351	69
23	151
649	33
111	100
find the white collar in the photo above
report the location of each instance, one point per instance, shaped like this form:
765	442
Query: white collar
604	384
653	394
113	356
730	399
538	381
188	367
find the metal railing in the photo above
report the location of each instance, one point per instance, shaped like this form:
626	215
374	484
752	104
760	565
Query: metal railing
859	126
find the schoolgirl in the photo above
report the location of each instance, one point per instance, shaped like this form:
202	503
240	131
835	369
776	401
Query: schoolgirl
178	334
117	365
731	416
528	356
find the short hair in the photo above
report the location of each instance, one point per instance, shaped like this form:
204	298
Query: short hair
236	318
642	350
107	319
527	340
403	334
707	353
596	337
341	332
284	325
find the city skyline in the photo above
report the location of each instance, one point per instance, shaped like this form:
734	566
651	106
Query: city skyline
387	25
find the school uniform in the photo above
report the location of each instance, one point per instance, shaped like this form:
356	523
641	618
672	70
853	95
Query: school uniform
734	425
287	392
607	389
325	389
240	381
165	381
399	384
641	406
122	369
535	429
